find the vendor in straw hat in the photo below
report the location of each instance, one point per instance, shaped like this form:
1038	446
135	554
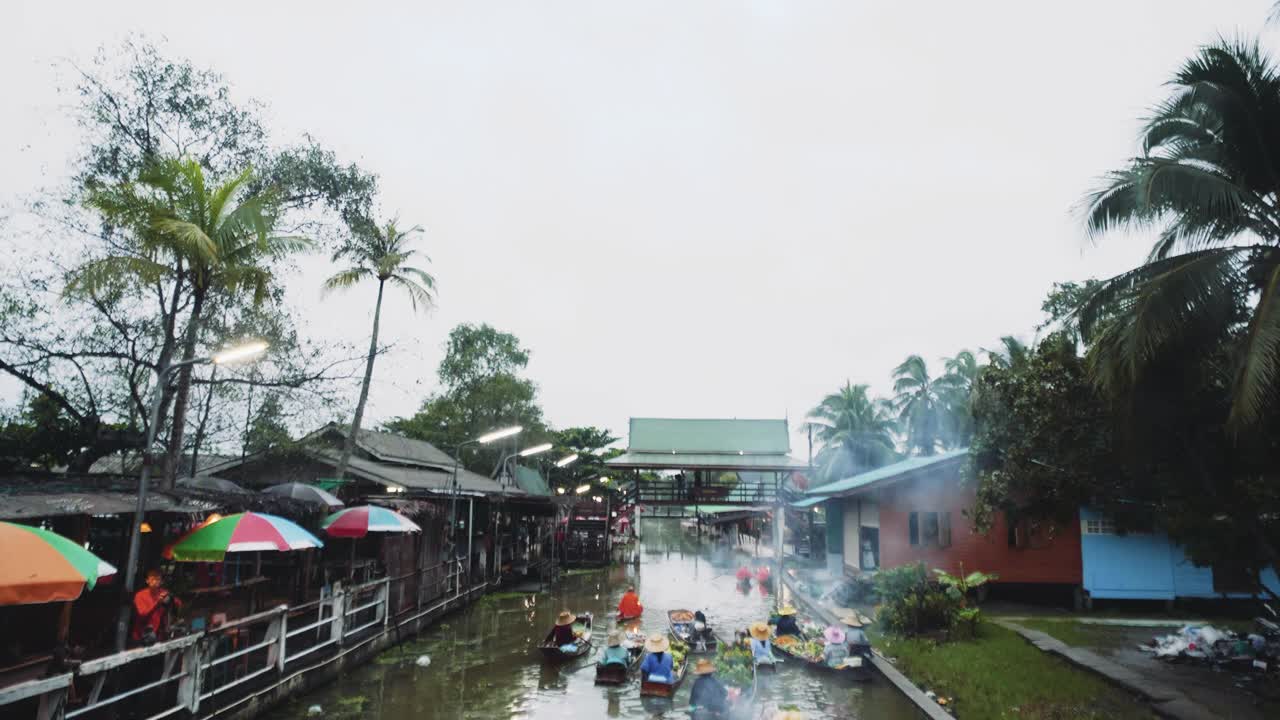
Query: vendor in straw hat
564	634
787	621
761	650
835	652
707	692
657	665
614	653
855	638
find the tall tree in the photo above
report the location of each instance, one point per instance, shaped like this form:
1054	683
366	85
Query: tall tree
381	254
1011	353
1208	179
208	239
921	405
481	390
855	432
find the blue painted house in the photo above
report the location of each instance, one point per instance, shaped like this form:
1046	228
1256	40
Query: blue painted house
1145	566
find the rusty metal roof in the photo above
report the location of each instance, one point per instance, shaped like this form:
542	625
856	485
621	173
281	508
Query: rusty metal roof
18	504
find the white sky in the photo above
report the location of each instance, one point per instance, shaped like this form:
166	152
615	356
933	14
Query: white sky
682	208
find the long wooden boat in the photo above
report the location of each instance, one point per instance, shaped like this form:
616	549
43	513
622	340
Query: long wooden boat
665	690
737	704
681	622
553	652
628	618
618	674
856	667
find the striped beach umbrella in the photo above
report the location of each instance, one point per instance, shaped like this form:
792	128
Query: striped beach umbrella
38	566
242	532
360	521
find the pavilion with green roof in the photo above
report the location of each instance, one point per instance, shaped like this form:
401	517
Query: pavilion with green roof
709	461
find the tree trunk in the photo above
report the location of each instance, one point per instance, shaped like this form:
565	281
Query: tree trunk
183	391
350	442
203	425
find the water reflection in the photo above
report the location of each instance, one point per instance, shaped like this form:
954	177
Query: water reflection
485	662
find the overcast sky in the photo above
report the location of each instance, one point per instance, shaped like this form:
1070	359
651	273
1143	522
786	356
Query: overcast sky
682	208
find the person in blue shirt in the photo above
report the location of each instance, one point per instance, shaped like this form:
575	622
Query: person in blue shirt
761	650
614	654
708	693
657	665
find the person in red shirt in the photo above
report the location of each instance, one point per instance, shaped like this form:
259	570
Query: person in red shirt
151	610
630	606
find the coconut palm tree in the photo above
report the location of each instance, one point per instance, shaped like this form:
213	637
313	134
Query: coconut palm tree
921	405
1014	353
955	389
1208	179
855	431
381	254
198	237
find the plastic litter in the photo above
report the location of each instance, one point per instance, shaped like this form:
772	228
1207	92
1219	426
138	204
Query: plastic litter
423	661
314	710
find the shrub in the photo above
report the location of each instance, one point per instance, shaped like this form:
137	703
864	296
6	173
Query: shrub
913	602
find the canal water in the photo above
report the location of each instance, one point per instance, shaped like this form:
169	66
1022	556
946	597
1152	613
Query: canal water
484	662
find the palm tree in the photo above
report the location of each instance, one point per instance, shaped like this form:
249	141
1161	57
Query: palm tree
1014	353
1208	179
855	431
920	404
955	390
201	237
382	254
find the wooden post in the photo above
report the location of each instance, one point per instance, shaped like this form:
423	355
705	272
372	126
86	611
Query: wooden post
189	686
339	612
279	630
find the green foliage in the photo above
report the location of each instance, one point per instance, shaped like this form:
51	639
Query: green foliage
933	412
958	589
913	602
42	435
267	430
480	394
855	432
1206	181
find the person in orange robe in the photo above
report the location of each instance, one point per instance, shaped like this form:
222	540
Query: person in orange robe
630	605
151	610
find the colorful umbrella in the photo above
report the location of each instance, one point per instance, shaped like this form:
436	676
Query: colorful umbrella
360	521
39	566
305	493
242	532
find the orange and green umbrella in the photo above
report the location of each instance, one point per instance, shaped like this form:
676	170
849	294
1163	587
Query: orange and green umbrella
38	566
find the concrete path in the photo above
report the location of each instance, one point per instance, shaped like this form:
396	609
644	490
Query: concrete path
1166	700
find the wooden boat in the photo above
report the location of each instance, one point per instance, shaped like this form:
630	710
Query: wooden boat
553	651
628	618
856	667
737	704
618	674
665	690
682	629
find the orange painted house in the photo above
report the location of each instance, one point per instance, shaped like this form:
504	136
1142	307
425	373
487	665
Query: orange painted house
914	510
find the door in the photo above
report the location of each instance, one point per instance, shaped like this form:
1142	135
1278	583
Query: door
869	548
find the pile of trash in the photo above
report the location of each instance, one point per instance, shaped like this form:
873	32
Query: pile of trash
1208	644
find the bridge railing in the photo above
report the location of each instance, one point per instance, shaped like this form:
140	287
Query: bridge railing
205	671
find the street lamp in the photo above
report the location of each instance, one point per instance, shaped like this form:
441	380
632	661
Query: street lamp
457	455
163	375
536	449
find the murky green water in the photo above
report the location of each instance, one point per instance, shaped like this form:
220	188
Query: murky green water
484	661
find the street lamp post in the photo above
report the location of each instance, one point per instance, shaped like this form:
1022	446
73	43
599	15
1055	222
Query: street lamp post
453	503
163	376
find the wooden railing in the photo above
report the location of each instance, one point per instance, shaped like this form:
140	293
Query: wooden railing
200	673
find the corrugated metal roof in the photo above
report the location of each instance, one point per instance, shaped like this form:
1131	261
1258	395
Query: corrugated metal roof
22	505
887	473
710	461
531	481
424	479
398	448
708	436
808	502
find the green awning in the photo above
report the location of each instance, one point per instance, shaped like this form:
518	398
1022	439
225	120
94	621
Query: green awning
329	484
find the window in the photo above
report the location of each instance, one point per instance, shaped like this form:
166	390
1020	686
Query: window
1100	526
929	528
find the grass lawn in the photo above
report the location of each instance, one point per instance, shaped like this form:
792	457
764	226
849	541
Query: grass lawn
1000	675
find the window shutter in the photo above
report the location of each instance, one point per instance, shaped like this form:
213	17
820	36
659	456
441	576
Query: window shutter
913	528
944	538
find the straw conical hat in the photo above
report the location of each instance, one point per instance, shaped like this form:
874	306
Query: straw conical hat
704	667
565	618
759	631
615	638
787	610
657	643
